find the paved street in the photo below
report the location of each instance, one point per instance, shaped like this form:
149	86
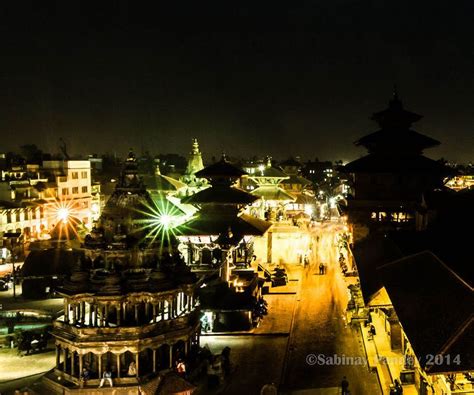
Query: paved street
320	328
315	322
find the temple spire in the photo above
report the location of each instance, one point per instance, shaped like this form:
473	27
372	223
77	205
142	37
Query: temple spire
195	150
195	159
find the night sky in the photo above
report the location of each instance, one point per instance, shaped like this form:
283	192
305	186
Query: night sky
248	81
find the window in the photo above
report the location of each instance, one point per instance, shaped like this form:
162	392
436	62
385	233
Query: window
378	216
84	189
75	190
84	174
75	175
65	191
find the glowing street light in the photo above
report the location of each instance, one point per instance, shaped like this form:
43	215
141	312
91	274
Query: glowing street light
63	214
166	220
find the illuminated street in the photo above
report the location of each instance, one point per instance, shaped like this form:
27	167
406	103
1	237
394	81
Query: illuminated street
318	327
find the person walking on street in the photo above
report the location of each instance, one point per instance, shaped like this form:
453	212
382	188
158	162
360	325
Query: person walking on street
321	268
345	386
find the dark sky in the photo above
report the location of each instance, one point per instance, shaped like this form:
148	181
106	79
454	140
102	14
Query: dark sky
269	79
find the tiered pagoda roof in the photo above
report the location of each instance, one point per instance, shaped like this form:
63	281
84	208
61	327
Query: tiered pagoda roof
395	147
395	135
221	204
222	169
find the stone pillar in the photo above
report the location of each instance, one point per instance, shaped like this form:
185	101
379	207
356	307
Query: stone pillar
58	356
269	246
171	357
186	347
106	315
162	306
64	359
154	312
66	311
154	360
136	313
119	314
74	314
147	311
118	365
99	365
72	363
80	364
137	361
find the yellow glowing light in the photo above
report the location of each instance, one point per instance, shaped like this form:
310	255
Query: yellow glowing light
63	214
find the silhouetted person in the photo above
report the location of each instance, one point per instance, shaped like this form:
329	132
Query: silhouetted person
344	386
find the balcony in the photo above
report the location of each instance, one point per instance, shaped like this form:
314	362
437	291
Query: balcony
125	333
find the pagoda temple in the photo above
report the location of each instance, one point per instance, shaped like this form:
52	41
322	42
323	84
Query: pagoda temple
390	181
219	239
129	299
273	198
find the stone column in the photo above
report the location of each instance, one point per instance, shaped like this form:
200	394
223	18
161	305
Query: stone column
137	361
154	360
58	356
99	365
66	311
64	359
106	314
118	365
72	363
171	357
74	314
162	304
147	311
154	312
136	313
119	314
91	314
80	364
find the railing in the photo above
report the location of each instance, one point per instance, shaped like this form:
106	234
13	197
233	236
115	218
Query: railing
128	332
